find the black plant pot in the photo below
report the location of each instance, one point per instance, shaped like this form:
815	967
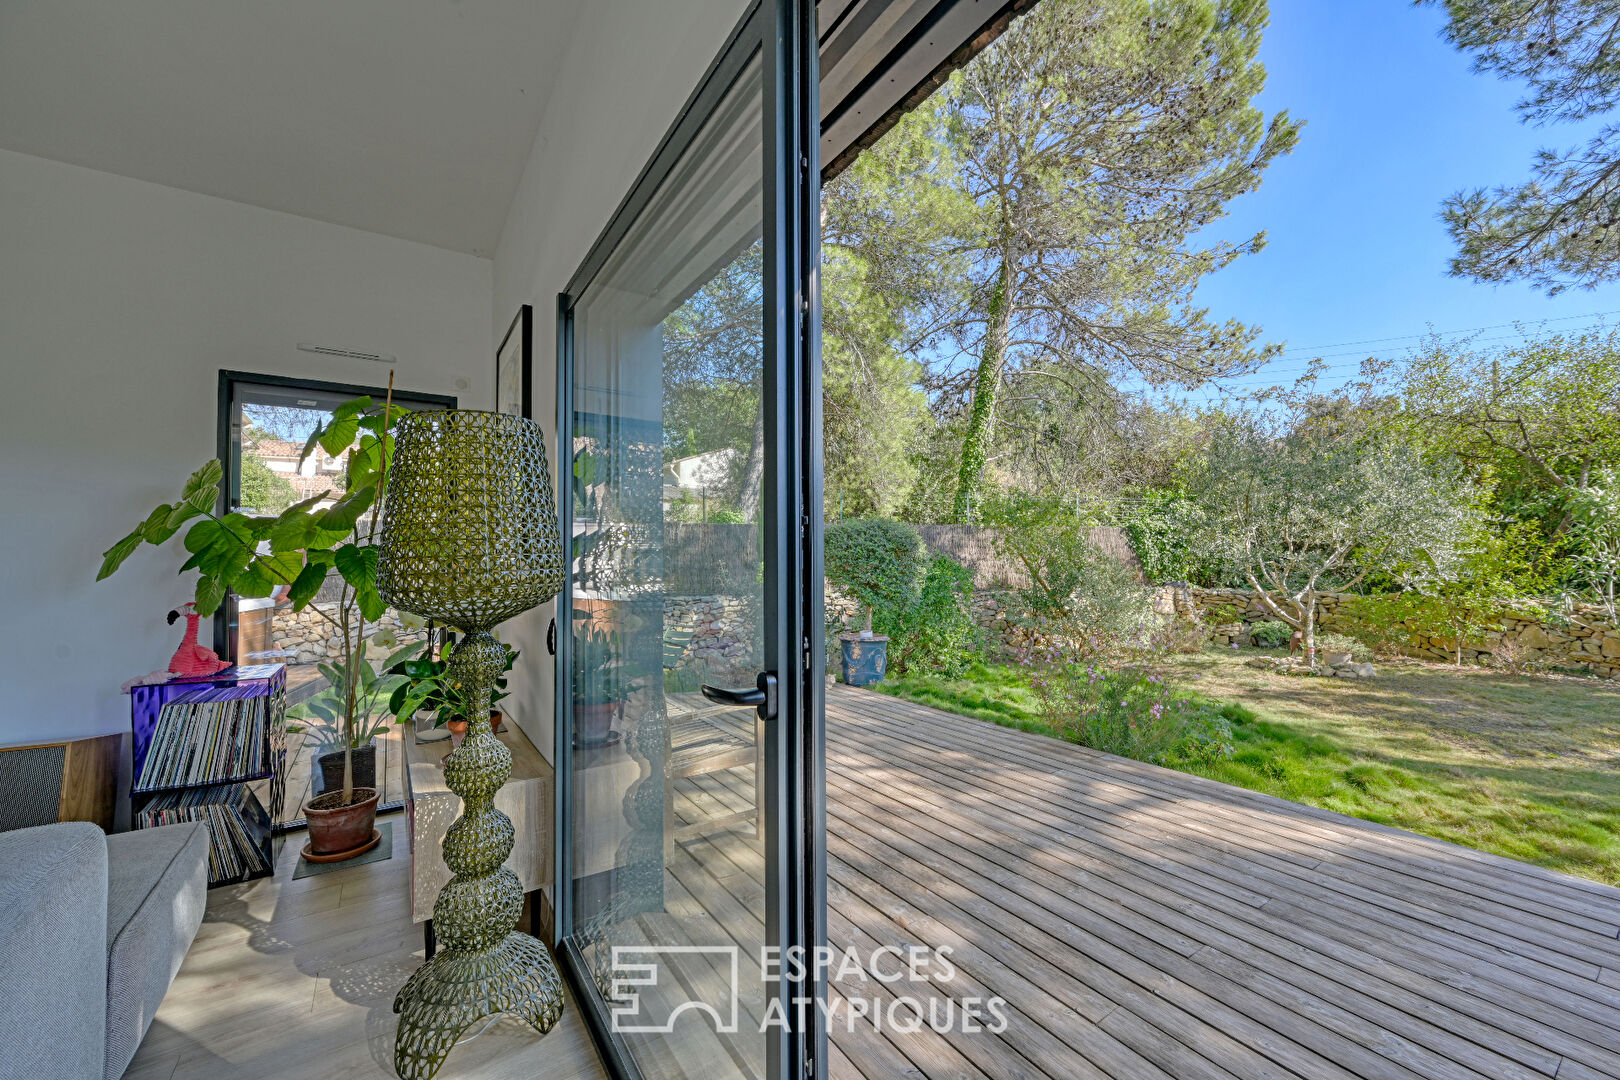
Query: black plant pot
329	768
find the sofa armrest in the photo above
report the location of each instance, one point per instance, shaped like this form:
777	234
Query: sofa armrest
53	954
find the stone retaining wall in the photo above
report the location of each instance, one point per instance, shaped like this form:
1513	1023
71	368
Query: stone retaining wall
1580	639
305	637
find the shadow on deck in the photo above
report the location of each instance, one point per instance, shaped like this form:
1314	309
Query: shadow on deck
1142	923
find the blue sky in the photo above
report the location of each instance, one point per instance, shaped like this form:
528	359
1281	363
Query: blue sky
1395	122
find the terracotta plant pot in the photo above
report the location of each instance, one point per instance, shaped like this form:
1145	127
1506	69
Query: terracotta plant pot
458	731
335	829
496	720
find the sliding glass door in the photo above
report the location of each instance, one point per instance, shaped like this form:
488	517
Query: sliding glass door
689	657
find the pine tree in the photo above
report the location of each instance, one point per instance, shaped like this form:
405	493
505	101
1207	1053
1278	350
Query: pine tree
1558	228
1094	140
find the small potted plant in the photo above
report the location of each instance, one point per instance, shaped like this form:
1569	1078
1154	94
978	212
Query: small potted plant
601	684
425	687
323	715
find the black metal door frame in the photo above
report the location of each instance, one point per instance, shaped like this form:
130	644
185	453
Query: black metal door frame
784	32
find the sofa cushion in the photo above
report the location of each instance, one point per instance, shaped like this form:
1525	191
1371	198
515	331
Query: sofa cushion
157	887
53	968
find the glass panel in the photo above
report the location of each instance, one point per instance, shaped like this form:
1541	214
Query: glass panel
269	426
667	593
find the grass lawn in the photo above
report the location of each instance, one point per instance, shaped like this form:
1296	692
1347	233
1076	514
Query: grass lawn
1524	766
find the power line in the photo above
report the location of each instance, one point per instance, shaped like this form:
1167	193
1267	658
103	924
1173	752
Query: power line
1286	353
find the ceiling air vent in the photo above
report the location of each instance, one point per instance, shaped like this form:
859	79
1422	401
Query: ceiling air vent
352	354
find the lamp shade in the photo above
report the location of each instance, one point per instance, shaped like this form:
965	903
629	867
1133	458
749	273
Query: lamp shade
469	534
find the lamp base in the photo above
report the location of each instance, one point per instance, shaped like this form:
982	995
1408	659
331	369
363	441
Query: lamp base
456	989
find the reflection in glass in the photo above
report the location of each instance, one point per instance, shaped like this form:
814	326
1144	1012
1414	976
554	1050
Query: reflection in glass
668	458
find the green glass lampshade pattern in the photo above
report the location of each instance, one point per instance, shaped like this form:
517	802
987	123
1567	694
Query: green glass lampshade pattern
470	533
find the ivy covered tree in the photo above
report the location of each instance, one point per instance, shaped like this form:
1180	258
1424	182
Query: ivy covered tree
1557	228
1092	142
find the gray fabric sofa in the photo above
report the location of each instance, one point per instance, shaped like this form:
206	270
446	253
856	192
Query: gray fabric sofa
92	931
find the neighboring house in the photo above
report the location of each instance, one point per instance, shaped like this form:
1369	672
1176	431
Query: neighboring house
318	473
702	472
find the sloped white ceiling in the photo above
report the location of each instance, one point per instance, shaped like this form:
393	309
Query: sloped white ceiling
410	118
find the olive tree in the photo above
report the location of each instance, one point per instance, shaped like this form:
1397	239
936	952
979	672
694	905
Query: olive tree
1311	502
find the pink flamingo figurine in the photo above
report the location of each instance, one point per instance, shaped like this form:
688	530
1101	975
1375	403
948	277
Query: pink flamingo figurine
190	658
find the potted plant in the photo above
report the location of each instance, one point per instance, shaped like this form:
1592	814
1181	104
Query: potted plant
323	715
297	549
601	683
425	687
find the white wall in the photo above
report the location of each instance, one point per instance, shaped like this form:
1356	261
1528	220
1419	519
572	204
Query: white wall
120	301
630	68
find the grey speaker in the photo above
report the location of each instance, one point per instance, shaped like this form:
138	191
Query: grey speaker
31	786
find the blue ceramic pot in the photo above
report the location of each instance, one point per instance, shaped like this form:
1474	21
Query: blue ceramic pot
866	660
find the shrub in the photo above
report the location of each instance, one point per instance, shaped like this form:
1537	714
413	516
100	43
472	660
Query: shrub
878	564
1270	634
1379	621
1128	711
1342	643
1512	656
1076	591
1163	539
936	632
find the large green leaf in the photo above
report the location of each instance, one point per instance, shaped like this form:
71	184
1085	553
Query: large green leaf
210	594
201	535
291	532
363	463
156	528
339	435
283	567
358	565
202	500
178	514
343	514
351	408
306	585
310	443
254	581
114	557
204	480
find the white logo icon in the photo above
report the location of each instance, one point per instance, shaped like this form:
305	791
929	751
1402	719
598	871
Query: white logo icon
634	966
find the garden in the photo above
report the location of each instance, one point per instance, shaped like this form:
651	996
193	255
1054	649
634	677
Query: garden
1418	706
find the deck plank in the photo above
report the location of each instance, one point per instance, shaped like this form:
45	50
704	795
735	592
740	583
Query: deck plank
1230	932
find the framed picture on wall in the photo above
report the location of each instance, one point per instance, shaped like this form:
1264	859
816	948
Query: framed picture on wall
514	382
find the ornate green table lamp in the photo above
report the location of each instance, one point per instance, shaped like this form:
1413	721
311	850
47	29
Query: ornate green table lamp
470	538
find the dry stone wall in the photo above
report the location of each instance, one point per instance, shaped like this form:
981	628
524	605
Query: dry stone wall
1580	638
306	637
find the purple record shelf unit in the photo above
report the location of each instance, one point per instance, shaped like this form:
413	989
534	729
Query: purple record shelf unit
257	819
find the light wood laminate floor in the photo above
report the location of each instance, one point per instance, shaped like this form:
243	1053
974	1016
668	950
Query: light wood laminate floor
291	979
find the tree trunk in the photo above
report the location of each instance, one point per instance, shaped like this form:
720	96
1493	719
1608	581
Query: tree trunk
976	442
1307	625
753	468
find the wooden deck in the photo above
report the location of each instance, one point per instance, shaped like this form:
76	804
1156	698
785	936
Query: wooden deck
1142	923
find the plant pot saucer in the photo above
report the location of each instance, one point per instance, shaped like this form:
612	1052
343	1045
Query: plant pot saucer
339	856
611	738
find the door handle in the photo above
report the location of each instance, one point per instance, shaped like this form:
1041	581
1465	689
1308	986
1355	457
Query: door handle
762	698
